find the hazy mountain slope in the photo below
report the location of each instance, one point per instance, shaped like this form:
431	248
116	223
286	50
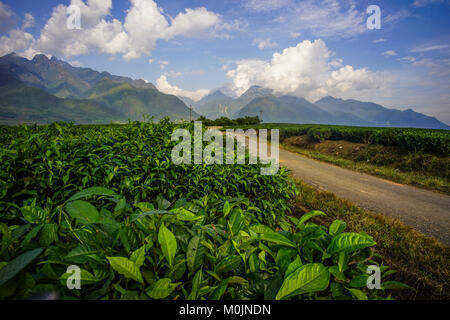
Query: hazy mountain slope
273	109
379	115
135	103
187	101
218	104
214	105
252	93
20	103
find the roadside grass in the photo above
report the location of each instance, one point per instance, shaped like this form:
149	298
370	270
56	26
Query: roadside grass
415	178
422	262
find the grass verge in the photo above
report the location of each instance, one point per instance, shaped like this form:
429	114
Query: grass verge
422	262
424	181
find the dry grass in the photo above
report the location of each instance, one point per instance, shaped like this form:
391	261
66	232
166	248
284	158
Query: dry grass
422	262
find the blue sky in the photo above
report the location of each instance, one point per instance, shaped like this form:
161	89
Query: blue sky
308	48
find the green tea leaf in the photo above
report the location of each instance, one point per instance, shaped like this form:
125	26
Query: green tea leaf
83	212
94	191
337	227
168	244
349	242
195	253
360	295
162	289
278	239
18	264
313	277
308	216
138	256
126	267
49	234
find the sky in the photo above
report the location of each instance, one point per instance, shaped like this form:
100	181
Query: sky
306	48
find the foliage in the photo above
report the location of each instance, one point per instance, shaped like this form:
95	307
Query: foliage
109	200
224	121
183	250
412	139
319	134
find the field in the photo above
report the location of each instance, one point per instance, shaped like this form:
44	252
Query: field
109	200
418	157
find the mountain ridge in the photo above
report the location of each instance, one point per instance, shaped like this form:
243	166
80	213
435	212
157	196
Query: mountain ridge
46	90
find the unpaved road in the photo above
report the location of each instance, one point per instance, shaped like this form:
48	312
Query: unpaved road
426	211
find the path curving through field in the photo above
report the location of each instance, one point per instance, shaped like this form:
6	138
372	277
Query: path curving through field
428	212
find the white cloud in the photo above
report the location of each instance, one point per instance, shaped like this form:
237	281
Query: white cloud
266	5
75	63
264	43
163	64
328	18
407	59
390	53
163	85
379	40
424	3
17	41
295	35
7	18
304	70
173	74
143	26
429	48
28	21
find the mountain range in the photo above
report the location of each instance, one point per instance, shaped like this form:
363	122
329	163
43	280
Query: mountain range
272	108
44	90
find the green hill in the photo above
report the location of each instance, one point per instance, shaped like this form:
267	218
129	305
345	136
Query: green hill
20	103
134	103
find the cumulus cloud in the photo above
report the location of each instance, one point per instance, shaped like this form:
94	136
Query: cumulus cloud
163	85
144	24
306	70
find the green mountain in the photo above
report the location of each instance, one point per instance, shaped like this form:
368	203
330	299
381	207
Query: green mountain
20	103
134	103
58	77
44	90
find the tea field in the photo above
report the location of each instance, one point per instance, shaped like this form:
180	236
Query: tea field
109	200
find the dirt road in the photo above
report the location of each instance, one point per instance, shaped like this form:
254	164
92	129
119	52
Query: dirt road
426	211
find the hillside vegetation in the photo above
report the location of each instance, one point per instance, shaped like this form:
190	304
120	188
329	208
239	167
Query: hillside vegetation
109	200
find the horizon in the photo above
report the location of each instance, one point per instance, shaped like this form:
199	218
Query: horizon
300	48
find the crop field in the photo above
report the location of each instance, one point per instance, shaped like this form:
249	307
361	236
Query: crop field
109	200
427	140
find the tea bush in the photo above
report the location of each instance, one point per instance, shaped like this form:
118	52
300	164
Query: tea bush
109	200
